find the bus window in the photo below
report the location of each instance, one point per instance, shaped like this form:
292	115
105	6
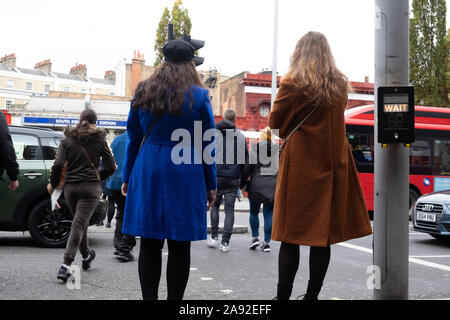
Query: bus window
420	157
442	157
362	147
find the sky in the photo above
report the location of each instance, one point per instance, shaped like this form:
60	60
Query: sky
238	33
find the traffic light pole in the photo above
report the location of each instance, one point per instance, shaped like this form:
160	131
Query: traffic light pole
275	50
391	198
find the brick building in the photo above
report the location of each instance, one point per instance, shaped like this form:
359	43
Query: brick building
250	96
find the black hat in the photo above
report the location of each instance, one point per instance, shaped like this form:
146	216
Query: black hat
178	51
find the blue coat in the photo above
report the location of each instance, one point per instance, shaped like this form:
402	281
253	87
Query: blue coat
166	200
118	147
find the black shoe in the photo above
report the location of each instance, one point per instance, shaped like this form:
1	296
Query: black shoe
254	244
63	274
265	247
86	264
108	225
125	256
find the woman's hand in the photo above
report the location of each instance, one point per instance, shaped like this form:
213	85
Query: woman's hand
124	189
50	189
211	197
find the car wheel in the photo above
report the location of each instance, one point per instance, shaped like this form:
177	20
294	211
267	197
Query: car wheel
440	237
50	228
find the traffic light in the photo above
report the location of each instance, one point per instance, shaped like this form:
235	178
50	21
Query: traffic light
197	44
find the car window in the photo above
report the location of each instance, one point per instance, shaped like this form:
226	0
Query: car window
50	147
26	147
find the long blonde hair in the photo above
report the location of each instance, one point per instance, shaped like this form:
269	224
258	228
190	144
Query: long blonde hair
313	69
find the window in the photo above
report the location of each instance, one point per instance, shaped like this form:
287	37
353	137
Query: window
442	157
47	88
66	89
83	90
10	84
26	147
420	157
29	86
50	147
8	104
362	147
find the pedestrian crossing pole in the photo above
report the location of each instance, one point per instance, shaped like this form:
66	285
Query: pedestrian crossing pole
391	198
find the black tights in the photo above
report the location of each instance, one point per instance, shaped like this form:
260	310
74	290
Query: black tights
288	262
178	267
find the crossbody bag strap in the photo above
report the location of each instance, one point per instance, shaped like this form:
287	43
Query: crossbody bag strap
92	164
152	125
297	127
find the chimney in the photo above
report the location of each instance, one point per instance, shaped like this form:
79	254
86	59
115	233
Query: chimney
136	69
366	79
80	70
9	60
110	75
45	66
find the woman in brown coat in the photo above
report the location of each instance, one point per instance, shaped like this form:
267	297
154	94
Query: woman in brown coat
318	198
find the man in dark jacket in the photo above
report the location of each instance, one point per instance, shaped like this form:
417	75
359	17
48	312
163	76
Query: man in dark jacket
7	155
231	157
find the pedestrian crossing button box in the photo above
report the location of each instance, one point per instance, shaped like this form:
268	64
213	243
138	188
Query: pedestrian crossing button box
396	115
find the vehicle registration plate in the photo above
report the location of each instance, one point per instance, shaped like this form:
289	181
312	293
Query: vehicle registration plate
422	216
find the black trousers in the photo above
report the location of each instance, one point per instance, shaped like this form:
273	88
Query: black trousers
150	265
288	262
122	242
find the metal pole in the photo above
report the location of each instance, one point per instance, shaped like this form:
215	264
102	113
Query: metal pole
274	61
391	223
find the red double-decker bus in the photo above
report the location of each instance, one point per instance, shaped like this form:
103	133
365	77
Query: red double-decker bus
429	155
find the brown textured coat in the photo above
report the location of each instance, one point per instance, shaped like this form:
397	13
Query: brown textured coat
318	199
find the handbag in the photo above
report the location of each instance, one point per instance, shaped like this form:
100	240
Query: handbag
297	127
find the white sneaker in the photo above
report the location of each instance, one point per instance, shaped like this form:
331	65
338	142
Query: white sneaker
212	242
225	247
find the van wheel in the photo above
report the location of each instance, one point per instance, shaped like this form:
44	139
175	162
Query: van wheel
50	228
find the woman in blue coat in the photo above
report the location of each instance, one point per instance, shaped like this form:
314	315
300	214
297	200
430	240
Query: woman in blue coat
167	198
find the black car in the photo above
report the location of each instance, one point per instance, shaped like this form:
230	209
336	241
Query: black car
28	207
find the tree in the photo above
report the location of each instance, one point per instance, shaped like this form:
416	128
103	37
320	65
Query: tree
429	55
181	21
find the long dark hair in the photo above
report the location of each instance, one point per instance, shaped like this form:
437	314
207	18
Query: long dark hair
166	88
87	117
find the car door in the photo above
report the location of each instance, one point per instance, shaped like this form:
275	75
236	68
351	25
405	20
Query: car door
32	173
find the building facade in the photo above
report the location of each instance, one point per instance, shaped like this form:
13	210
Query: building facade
19	84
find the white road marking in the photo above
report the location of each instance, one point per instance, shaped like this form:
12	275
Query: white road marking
205	279
431	256
226	291
193	269
413	260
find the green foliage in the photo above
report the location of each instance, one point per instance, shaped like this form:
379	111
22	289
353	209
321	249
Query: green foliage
181	21
429	53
